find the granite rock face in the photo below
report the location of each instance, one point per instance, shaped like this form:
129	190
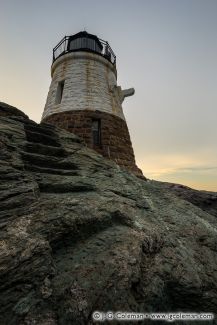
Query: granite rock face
206	200
79	234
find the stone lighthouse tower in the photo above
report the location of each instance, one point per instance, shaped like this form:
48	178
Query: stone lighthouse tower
84	97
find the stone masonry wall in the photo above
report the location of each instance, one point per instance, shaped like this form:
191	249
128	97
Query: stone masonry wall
115	139
89	83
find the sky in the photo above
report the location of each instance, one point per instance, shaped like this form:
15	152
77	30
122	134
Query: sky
166	50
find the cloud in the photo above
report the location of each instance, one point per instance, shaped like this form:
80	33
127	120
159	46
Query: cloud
196	170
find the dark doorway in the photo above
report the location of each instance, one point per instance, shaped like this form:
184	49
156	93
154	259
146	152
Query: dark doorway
96	132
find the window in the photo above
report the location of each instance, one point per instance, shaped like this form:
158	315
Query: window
96	132
59	93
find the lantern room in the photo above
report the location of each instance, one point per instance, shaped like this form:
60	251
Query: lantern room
84	41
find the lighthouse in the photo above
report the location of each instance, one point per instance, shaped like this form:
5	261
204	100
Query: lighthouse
84	97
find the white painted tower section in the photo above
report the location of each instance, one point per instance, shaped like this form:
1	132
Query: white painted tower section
88	82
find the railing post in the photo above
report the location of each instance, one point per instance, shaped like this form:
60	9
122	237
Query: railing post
65	44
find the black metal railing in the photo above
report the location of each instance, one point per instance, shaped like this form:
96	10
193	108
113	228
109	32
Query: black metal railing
63	47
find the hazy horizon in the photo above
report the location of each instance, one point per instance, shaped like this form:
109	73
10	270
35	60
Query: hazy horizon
166	50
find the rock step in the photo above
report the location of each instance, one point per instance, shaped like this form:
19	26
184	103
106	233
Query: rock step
42	133
46	129
65	185
42	138
46	150
43	170
47	161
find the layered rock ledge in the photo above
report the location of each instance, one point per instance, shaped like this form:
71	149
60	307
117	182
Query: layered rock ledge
79	234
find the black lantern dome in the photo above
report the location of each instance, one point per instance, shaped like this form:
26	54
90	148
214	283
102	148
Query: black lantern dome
84	41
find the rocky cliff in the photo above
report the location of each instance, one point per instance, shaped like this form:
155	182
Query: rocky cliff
206	200
79	234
